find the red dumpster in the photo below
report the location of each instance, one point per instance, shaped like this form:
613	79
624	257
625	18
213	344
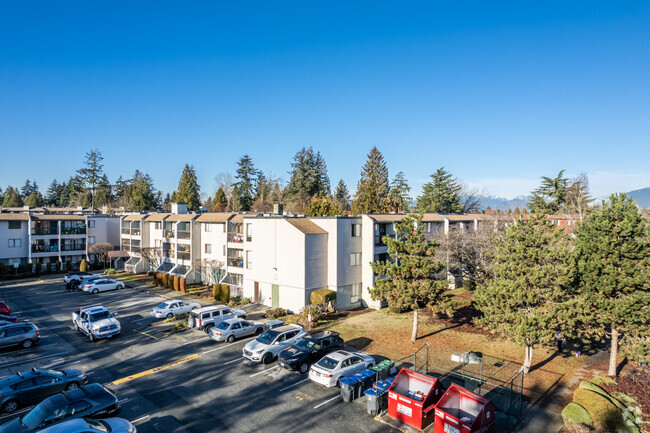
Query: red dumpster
412	397
462	411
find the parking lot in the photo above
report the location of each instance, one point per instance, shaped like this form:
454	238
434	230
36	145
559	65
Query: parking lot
179	382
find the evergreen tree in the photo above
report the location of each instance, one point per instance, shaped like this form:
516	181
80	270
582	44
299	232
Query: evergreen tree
54	193
139	194
612	250
342	196
158	200
276	194
12	198
531	283
399	193
72	192
308	177
220	201
2	196
120	187
91	174
373	189
28	188
188	189
244	188
409	279
550	197
323	206
441	194
103	193
35	199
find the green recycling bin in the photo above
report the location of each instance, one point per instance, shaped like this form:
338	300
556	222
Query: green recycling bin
383	369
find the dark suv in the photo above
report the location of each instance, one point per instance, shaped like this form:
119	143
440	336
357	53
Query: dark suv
22	334
309	349
92	401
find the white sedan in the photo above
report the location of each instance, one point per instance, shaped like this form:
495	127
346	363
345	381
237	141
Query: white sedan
102	285
337	365
169	309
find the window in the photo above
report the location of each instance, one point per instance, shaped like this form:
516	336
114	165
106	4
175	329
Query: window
249	260
236	326
24	384
12	332
224	250
207	227
208	248
157	225
91	224
356	230
249	232
15	225
15	243
355	292
91	240
355	259
78	406
42	380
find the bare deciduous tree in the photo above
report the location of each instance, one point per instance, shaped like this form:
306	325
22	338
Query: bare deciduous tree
210	270
100	251
152	255
577	196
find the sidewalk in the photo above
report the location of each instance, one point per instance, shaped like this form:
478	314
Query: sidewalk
546	416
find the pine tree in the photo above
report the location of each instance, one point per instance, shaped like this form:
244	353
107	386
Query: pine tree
139	194
409	279
323	206
612	250
28	188
531	283
308	177
188	189
373	189
441	194
12	198
244	188
92	173
342	196
120	187
72	192
399	193
103	192
550	197
220	201
35	199
54	193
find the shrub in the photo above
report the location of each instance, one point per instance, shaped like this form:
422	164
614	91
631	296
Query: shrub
396	310
57	266
177	283
216	291
469	284
163	280
603	412
83	267
150	273
157	278
315	310
244	301
170	282
274	313
291	319
38	268
110	271
68	265
4	269
573	413
322	296
182	285
225	293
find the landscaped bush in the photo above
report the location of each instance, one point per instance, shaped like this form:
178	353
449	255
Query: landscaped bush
164	280
216	291
274	313
68	265
322	296
170	282
4	269
83	267
57	266
469	284
110	271
225	293
244	301
182	285
177	283
603	412
315	310
396	310
38	268
573	413
157	278
291	319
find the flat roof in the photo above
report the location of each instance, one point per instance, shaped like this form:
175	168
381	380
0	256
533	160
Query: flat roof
214	217
459	218
59	217
136	217
181	217
239	218
157	216
306	226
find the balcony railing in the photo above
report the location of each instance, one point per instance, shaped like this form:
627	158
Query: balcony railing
237	262
235	237
135	232
45	231
184	256
126	231
45	248
73	230
168	233
168	253
135	249
73	248
182	234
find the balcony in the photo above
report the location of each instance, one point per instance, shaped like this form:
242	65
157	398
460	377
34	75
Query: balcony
126	231
236	237
168	253
135	232
135	249
236	262
45	248
184	256
168	233
73	248
183	234
73	230
45	231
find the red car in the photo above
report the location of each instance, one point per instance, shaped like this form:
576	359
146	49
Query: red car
4	308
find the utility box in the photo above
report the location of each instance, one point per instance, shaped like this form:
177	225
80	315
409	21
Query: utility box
462	411
412	397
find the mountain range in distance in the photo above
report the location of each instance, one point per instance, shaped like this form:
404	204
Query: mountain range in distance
640	196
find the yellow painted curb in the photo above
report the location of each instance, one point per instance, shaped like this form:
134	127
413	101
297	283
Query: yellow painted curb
156	370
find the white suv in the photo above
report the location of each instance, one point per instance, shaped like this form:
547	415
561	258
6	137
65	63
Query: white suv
268	346
207	318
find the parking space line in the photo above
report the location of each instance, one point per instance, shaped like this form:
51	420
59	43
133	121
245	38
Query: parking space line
140	419
60	366
140	320
16	412
264	371
327	401
148	335
155	370
212	350
234	360
291	386
33	359
198	339
123	400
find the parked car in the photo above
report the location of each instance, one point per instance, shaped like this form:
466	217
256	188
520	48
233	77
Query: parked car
92	401
102	285
89	425
337	365
96	322
77	276
309	349
28	387
4	318
270	343
173	307
4	309
75	284
230	329
23	334
207	317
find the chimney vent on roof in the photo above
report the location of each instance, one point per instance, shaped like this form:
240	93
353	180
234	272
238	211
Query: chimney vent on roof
277	208
179	208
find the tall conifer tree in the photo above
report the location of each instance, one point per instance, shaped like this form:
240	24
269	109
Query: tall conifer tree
12	198
188	189
244	188
342	196
373	189
92	173
441	194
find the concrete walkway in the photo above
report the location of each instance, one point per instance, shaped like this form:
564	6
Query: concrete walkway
546	416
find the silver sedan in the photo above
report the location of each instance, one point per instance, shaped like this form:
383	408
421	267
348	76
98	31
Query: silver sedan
230	329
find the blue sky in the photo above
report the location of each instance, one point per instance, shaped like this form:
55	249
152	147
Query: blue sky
500	93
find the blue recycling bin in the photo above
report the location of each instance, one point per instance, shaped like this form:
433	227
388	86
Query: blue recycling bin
382	385
349	388
366	378
376	400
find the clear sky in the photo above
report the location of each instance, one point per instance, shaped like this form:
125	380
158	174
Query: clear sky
500	93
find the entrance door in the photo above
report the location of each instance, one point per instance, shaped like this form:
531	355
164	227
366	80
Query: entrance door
256	296
275	295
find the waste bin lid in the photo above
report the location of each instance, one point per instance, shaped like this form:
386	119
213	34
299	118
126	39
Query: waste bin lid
370	391
350	380
382	385
367	373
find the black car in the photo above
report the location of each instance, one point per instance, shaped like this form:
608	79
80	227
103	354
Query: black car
93	401
309	349
28	387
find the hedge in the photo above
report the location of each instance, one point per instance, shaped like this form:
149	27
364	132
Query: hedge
38	268
170	282
603	412
573	413
274	313
68	266
163	280
225	293
57	266
177	283
182	285
216	288
83	267
322	296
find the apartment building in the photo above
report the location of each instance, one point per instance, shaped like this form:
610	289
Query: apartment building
47	238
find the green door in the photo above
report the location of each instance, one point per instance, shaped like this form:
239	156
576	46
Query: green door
275	295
